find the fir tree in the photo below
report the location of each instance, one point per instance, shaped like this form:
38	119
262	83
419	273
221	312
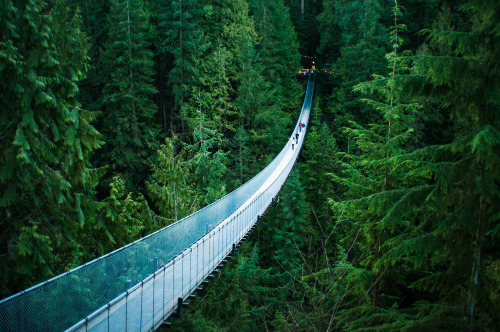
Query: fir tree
466	170
169	186
120	221
128	123
361	48
207	159
46	181
182	39
278	48
420	216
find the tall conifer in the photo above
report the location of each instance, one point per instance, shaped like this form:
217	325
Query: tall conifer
128	121
169	186
182	40
423	215
46	182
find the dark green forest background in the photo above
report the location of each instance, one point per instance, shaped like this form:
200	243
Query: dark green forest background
119	117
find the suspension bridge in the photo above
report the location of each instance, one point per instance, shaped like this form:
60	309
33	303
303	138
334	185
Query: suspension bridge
139	286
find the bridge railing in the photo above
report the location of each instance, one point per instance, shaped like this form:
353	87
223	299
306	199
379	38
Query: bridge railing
149	275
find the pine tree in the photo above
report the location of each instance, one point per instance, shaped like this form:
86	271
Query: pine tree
169	186
319	158
383	184
467	170
278	48
46	181
421	216
182	39
120	221
207	159
128	124
363	43
94	15
258	110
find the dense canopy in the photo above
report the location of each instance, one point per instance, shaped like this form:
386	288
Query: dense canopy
119	117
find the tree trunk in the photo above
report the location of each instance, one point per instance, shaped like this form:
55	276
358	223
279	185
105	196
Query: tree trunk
181	83
131	76
476	263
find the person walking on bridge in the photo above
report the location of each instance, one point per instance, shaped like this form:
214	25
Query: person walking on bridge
297	137
293	141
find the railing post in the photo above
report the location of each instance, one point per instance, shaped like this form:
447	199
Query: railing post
142	298
126	312
164	292
173	278
154	286
190	266
179	306
182	274
109	308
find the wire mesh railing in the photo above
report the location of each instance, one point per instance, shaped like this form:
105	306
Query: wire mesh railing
135	287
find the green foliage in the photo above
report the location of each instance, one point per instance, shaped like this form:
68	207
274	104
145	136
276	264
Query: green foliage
278	48
241	297
304	14
319	158
206	159
169	185
46	181
128	123
418	217
121	220
356	54
95	26
183	41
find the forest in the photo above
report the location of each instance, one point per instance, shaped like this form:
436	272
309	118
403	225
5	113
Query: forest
120	117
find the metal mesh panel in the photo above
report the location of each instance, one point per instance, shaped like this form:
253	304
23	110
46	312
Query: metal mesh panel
99	322
209	234
118	315
158	295
133	310
147	305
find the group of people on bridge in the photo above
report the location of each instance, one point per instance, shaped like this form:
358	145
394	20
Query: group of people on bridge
295	139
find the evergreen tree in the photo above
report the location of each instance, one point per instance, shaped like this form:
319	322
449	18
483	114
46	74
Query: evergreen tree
128	122
243	156
319	158
120	221
206	157
256	98
46	181
421	217
182	39
303	14
278	48
94	14
291	231
466	170
361	48
169	186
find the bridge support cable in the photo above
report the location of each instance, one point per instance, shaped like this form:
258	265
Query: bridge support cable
165	267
